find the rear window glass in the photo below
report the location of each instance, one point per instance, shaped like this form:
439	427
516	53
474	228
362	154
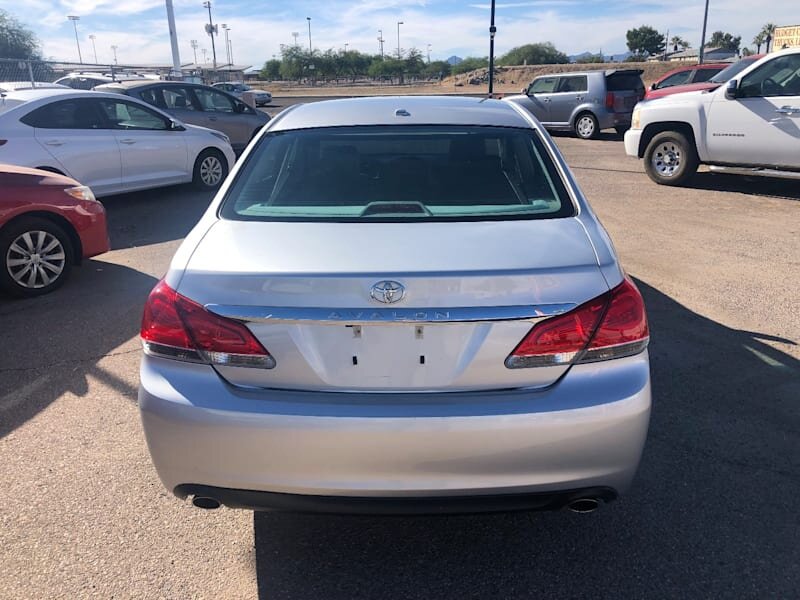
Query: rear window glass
398	173
624	82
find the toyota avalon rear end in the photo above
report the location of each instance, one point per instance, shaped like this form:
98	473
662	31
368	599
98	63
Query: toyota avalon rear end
397	305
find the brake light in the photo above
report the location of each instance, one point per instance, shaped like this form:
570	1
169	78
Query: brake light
610	326
610	99
176	327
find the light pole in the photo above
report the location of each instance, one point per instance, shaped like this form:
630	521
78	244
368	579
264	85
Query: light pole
345	47
703	37
492	31
211	30
75	20
204	51
429	54
93	37
295	34
380	41
193	44
230	48
114	50
399	56
310	51
227	48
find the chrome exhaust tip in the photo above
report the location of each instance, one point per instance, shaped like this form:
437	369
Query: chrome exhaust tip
205	502
584	505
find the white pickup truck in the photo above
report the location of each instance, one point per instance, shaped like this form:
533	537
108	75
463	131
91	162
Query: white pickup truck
749	126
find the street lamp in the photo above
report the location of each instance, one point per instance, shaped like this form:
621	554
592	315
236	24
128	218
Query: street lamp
380	41
399	56
93	37
75	20
114	50
193	44
211	30
492	31
345	47
429	54
227	49
310	51
295	34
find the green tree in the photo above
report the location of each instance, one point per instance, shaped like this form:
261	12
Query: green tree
436	69
645	41
16	40
722	39
470	64
387	68
414	64
271	70
759	40
354	64
767	31
534	54
590	59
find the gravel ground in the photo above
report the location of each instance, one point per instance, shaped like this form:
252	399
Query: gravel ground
711	515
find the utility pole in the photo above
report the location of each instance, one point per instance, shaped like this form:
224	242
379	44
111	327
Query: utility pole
380	41
492	31
345	47
666	45
193	44
211	30
94	48
399	55
703	38
429	54
310	51
75	20
294	35
173	41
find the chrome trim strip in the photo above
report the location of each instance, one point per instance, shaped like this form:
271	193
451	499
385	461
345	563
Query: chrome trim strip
387	316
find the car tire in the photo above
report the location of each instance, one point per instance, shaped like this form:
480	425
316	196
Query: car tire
34	245
210	169
586	126
621	129
670	158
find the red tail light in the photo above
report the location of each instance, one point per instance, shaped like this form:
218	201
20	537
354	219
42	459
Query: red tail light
175	327
610	100
610	326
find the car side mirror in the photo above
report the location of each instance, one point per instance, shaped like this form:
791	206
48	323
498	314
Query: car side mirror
732	89
175	126
653	86
524	91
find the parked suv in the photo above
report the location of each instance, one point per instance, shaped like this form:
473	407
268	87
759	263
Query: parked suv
584	102
748	126
198	105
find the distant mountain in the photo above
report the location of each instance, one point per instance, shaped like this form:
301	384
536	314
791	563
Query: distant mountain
608	57
454	60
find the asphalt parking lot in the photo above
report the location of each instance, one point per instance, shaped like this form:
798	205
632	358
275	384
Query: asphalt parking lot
712	513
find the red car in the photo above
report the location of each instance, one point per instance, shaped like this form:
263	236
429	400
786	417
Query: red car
48	223
717	80
684	76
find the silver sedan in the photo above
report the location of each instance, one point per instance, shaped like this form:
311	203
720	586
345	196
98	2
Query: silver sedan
397	305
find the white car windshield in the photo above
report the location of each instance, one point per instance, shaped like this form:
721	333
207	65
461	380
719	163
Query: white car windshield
399	173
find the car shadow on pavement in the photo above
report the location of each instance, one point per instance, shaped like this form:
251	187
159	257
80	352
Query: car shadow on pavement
154	216
51	344
771	187
711	514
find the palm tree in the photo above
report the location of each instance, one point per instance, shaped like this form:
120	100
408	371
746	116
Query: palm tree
678	41
759	40
768	31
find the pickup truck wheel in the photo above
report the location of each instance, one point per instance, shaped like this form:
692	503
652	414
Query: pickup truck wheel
670	159
586	126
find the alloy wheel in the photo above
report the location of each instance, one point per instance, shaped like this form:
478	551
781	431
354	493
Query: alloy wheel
35	259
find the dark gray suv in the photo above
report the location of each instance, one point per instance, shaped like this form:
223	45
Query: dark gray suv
198	105
584	102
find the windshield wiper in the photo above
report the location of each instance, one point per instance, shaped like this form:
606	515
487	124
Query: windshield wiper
384	208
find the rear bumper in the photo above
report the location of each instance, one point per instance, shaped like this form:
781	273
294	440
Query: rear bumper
587	431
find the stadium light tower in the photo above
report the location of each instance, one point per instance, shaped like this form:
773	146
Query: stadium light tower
193	44
93	37
75	19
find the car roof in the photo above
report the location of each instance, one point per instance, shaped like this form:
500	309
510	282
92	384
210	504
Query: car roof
401	110
36	93
12	100
129	84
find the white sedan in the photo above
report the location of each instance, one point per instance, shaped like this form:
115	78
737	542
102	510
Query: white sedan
110	143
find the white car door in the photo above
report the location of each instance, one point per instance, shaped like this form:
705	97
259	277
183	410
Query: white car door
72	132
761	126
152	153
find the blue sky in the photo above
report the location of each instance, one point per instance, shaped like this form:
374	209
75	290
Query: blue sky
258	27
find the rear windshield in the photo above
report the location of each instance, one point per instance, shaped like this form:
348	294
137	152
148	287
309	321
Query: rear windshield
732	71
391	173
624	82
